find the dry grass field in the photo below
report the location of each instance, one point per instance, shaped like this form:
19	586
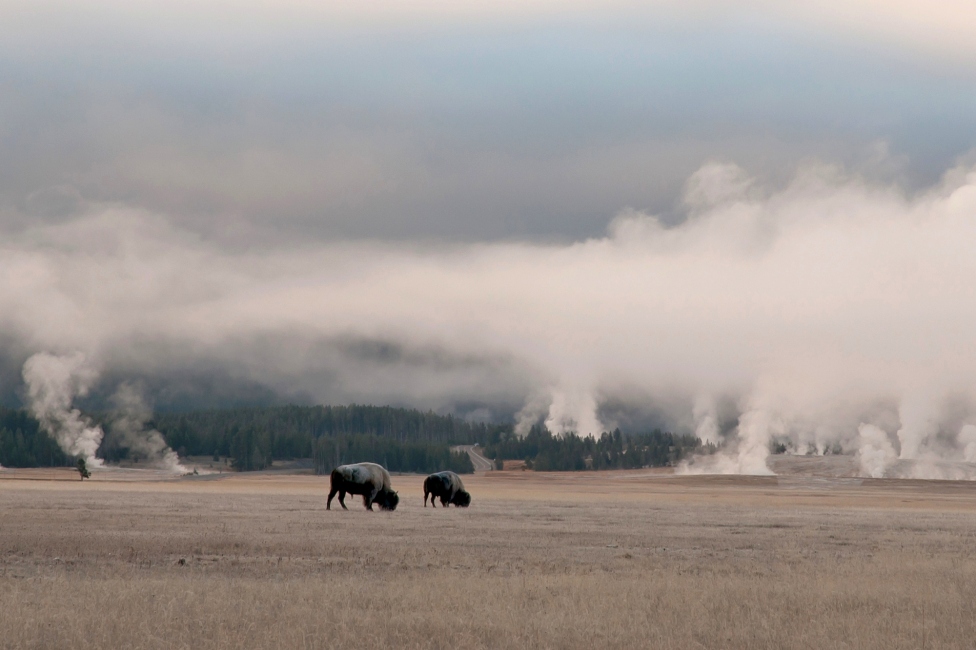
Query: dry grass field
590	560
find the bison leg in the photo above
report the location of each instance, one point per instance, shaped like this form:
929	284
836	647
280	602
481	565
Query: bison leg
328	504
426	493
342	499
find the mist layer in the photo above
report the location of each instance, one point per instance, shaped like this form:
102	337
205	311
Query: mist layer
828	314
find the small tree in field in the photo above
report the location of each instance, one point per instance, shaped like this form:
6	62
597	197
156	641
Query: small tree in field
83	469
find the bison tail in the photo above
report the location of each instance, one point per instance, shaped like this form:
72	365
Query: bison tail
336	480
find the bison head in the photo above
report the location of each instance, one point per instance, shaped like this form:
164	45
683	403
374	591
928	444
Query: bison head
462	499
387	500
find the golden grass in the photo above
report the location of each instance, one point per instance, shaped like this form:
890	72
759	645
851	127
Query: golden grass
609	560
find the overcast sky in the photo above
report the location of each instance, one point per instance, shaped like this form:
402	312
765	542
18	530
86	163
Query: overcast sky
461	121
697	215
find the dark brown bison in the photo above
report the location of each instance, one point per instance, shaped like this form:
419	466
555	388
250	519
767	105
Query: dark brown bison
446	486
367	479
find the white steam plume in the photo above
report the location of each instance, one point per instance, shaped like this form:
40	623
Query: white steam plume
967	440
128	425
531	414
53	382
876	453
573	410
706	421
808	312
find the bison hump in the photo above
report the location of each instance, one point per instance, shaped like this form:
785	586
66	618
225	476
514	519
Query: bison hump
366	474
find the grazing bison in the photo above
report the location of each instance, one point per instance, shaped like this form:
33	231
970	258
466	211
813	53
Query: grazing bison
448	487
367	479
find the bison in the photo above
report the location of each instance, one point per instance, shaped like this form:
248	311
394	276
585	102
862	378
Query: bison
368	479
448	487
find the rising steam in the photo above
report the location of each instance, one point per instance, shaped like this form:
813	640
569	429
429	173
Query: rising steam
829	316
128	426
53	383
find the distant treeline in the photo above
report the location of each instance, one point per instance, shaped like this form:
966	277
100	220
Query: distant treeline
403	440
543	451
23	444
329	452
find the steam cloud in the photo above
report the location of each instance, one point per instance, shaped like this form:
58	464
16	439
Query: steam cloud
53	383
827	315
128	423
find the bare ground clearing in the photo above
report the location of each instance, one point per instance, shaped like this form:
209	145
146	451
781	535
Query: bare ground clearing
614	559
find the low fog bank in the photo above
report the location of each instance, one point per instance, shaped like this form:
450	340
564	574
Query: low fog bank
828	315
